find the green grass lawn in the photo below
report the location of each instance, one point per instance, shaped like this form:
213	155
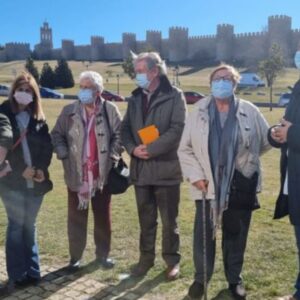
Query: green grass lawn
270	264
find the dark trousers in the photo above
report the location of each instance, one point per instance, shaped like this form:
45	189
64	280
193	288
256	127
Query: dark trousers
234	240
149	200
78	220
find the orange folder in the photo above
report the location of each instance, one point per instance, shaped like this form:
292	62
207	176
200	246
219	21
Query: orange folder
148	134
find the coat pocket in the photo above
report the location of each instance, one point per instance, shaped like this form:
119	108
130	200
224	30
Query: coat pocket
168	170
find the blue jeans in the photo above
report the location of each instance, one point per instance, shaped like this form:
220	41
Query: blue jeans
22	257
297	284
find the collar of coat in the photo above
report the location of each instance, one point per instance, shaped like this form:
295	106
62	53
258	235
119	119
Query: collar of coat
164	87
76	107
202	105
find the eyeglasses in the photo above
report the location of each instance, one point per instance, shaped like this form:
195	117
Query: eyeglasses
225	78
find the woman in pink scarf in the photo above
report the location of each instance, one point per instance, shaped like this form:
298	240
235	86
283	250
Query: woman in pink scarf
87	148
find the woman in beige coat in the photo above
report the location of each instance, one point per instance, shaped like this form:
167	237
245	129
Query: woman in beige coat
87	145
219	155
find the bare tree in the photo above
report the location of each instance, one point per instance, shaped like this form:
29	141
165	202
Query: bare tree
271	68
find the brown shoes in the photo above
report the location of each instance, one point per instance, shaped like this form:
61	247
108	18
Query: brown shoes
289	297
140	269
172	272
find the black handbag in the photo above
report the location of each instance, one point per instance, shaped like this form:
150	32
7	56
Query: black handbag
118	177
42	188
281	207
243	192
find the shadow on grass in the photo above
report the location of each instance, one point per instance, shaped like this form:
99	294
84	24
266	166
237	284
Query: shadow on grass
128	287
223	295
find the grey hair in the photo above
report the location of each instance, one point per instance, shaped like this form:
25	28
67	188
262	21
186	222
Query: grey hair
94	77
152	59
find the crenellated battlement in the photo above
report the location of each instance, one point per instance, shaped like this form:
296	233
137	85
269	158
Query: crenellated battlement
97	37
225	26
250	35
128	35
202	37
153	32
16	44
277	18
67	42
178	29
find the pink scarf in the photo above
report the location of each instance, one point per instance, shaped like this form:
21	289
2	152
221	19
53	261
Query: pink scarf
90	161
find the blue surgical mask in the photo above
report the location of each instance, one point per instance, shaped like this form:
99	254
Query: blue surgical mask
222	89
142	81
297	59
86	96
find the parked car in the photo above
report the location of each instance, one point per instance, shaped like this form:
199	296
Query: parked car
110	96
250	80
4	90
284	99
49	93
192	97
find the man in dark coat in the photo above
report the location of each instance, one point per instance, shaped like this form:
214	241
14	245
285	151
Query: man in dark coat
286	136
155	169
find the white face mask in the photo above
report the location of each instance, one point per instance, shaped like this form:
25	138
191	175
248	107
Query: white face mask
86	96
297	59
142	80
222	89
23	98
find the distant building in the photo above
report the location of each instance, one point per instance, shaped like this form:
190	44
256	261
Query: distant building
245	48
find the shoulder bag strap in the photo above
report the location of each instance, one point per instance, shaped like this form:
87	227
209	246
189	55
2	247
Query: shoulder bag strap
20	139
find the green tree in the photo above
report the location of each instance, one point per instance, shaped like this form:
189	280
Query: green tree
63	75
271	68
47	78
32	69
128	67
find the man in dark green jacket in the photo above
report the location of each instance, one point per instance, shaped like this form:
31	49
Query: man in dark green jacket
154	167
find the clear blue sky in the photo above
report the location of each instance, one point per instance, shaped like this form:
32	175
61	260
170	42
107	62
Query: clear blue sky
78	20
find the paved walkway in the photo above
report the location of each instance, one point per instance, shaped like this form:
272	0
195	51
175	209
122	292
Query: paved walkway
58	284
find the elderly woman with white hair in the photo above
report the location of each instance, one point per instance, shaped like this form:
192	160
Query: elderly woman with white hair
87	145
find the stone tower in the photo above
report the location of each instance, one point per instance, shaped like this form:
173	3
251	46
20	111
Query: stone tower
225	35
68	49
128	43
280	33
43	50
178	44
153	40
46	36
97	48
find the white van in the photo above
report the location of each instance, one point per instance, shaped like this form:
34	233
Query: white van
250	80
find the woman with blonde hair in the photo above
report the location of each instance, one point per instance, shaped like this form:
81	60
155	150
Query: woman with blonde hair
23	188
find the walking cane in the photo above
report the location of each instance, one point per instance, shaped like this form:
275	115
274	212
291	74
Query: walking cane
204	243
